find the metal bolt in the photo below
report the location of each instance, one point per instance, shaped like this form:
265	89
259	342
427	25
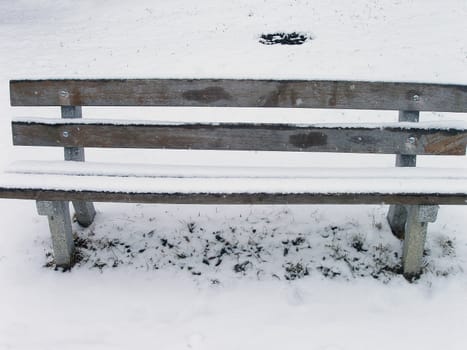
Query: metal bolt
416	98
65	134
412	140
64	93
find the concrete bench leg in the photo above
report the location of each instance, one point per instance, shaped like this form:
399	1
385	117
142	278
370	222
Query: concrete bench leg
418	217
397	217
60	228
84	212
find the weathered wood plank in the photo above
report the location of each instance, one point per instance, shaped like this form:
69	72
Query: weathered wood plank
241	136
236	198
241	93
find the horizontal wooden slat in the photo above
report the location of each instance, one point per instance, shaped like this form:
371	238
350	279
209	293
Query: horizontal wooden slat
242	136
240	93
235	198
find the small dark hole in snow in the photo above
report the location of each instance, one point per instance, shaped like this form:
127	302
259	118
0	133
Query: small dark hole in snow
293	38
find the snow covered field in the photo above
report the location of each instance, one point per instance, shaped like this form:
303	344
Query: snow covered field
230	277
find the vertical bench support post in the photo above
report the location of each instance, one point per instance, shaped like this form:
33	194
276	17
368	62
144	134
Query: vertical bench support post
84	211
416	225
58	213
397	215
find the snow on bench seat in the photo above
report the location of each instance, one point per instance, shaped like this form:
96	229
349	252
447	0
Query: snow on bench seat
151	183
193	171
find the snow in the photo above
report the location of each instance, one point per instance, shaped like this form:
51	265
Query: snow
125	178
192	171
96	306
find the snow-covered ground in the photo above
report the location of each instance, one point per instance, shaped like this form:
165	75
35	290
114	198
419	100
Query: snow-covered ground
230	277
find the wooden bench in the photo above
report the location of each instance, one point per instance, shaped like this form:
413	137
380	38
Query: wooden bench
413	193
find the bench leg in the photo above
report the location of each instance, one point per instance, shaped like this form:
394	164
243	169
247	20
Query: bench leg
397	217
58	213
418	217
84	212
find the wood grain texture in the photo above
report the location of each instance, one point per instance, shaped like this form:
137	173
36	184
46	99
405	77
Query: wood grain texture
240	136
236	198
241	93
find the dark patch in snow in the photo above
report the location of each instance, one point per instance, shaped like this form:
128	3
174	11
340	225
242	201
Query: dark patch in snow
357	244
295	271
242	267
293	38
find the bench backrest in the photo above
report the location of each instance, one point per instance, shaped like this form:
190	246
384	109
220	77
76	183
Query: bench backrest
403	138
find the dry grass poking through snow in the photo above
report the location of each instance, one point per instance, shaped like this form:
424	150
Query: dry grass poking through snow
285	243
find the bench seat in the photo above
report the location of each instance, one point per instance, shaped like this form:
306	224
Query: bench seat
110	182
